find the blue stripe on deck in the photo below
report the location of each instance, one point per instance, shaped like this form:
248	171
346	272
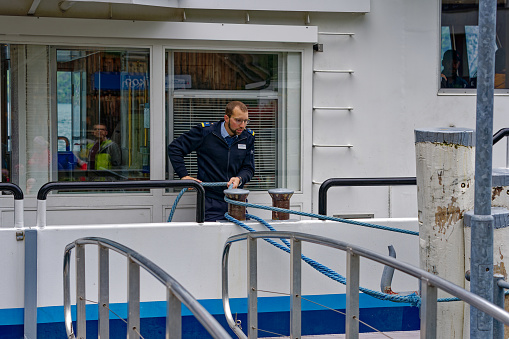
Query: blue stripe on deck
273	316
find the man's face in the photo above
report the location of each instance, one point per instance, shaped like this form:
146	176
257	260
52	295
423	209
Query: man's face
100	131
237	123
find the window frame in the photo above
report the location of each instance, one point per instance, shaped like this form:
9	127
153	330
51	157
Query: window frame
459	91
281	180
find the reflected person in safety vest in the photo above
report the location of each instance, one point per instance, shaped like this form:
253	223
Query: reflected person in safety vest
103	154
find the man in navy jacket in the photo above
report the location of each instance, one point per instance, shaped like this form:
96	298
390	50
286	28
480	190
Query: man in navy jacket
225	151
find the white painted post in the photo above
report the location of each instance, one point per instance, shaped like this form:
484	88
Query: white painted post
445	186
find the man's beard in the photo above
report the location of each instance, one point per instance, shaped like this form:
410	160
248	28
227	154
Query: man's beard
233	130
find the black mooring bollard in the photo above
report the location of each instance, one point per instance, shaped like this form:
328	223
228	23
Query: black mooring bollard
236	211
281	199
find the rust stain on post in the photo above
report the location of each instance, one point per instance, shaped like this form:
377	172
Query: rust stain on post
448	215
496	192
500	269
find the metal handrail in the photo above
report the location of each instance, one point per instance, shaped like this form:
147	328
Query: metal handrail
176	293
324	187
503	132
18	202
429	284
103	185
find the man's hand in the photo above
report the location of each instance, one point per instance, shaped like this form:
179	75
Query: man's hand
235	181
187	177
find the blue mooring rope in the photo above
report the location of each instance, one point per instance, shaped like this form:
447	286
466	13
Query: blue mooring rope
322	217
412	299
184	190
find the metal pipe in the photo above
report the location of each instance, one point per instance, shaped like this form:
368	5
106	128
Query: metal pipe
102	185
324	187
295	289
387	274
352	295
252	288
481	265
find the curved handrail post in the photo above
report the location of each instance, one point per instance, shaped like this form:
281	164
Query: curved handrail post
176	293
429	282
324	187
103	185
18	202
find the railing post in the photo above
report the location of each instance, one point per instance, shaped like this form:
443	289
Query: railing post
30	293
81	302
252	293
295	288
104	292
133	299
428	310
507	154
173	316
352	295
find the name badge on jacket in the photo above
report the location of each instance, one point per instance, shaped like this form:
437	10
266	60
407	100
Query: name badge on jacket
242	146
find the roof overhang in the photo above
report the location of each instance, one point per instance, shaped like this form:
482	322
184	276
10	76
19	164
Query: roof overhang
331	6
32	26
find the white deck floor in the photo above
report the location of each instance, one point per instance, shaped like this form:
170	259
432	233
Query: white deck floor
372	335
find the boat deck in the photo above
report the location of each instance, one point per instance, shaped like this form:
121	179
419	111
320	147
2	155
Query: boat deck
371	335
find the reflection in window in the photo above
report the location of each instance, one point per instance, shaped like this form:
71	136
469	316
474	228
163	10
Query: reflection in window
459	35
103	114
268	83
73	114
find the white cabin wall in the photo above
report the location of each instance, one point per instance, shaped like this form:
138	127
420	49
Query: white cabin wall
394	89
394	53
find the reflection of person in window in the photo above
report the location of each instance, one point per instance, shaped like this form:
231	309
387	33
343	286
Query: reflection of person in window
500	68
450	76
103	154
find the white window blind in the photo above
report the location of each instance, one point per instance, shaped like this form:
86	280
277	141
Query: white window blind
188	112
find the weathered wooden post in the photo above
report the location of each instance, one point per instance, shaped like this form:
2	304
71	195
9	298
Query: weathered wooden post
445	191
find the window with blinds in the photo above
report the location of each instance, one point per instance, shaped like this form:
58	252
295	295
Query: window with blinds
188	112
200	84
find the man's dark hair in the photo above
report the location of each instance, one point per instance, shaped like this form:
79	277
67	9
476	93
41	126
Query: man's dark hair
231	106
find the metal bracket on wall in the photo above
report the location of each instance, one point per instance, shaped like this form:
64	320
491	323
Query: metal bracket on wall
20	235
318	47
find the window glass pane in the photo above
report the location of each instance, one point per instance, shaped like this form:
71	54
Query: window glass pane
5	111
72	114
459	44
199	86
103	114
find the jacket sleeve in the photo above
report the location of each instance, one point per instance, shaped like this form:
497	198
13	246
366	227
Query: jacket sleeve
247	170
182	146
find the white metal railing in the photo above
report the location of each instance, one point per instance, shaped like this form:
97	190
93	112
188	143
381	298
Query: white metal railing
176	293
429	285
